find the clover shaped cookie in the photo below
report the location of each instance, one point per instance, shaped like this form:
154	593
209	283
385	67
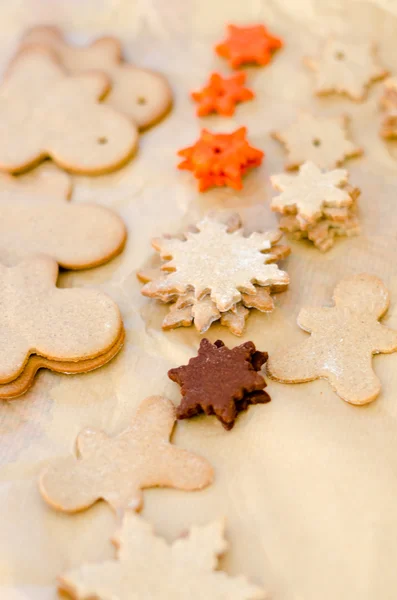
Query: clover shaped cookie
140	94
117	469
343	339
36	317
46	113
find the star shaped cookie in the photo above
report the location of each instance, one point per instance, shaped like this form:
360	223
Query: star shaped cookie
248	45
221	95
148	567
221	381
321	140
346	68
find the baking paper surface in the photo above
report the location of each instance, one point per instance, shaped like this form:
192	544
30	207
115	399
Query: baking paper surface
307	483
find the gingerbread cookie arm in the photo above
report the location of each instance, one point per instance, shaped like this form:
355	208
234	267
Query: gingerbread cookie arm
384	339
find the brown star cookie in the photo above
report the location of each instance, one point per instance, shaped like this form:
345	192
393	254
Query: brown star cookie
221	381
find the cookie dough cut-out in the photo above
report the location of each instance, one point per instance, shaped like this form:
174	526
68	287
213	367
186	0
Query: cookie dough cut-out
117	469
248	45
221	95
77	236
148	567
319	204
46	113
221	381
140	94
321	140
215	270
44	181
346	68
388	103
56	323
343	340
220	159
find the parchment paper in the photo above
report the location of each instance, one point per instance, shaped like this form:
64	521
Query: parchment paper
308	484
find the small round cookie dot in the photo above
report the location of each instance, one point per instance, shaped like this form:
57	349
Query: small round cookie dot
339	55
141	100
102	140
316	142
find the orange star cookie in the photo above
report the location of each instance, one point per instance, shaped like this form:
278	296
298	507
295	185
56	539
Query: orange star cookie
220	159
222	94
253	44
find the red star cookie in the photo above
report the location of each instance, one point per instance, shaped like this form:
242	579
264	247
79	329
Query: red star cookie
253	44
220	159
222	94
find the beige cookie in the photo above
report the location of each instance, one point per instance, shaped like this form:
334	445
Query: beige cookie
46	181
343	340
142	95
310	191
215	262
148	567
347	68
117	469
19	386
321	140
58	324
46	113
77	236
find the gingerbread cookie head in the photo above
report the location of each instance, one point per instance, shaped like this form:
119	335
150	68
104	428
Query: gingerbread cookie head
59	324
140	94
45	113
148	567
342	342
117	469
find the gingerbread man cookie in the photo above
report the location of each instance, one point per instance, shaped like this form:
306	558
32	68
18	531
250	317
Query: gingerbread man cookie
142	95
46	113
117	469
60	324
46	181
77	236
343	340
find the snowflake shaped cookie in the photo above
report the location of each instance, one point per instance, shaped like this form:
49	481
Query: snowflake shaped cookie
310	191
322	140
148	567
215	262
346	68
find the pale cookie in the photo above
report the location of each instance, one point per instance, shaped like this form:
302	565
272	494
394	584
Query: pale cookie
19	386
215	262
117	469
46	181
388	103
46	113
235	319
321	140
36	317
142	95
342	342
346	68
310	191
148	567
323	232
77	236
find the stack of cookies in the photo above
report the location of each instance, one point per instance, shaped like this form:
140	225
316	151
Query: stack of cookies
81	107
317	205
215	273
